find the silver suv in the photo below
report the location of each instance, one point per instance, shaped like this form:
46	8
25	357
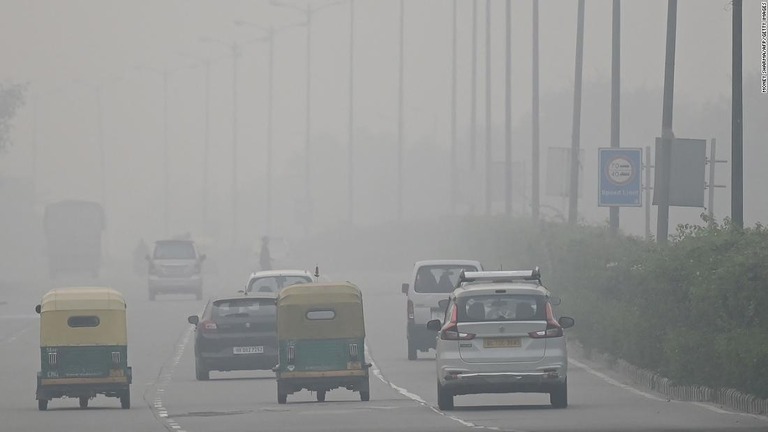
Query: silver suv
433	280
499	334
175	267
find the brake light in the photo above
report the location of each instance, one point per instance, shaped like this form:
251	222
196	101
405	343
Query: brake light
450	330
291	353
553	329
353	352
410	310
208	326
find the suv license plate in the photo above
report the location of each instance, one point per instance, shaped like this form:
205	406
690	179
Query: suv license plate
501	343
248	350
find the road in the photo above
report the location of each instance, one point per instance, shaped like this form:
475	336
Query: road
166	396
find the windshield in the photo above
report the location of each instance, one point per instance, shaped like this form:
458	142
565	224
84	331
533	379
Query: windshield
439	278
275	283
174	250
243	308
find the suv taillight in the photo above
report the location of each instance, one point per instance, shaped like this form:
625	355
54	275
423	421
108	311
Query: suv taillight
452	333
553	329
410	310
208	326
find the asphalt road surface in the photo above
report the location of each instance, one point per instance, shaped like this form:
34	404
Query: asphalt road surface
166	396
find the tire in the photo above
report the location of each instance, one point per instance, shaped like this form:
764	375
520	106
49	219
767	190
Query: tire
201	373
444	399
83	402
365	396
412	351
282	398
559	397
125	400
321	395
42	404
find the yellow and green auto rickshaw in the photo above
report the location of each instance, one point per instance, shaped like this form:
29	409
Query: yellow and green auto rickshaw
321	340
83	346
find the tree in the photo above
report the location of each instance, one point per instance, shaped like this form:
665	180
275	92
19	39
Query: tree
11	100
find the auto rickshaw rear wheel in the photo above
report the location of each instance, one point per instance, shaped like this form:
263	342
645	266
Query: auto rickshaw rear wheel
42	404
321	395
125	400
365	396
83	402
282	398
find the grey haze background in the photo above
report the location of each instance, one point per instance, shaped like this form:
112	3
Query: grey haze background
65	48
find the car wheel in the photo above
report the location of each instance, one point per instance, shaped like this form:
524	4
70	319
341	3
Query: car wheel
201	373
365	396
282	398
42	404
412	351
125	400
444	399
559	397
321	395
83	402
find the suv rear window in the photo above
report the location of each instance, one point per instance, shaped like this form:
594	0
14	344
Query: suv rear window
243	308
174	250
438	278
502	307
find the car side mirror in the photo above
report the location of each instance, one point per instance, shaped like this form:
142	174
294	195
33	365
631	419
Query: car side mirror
193	319
404	288
38	308
555	301
566	322
434	325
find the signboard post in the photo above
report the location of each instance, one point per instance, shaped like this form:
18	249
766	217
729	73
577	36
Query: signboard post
620	179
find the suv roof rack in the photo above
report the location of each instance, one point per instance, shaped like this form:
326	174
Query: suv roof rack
501	276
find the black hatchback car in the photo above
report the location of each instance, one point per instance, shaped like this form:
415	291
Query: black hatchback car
236	333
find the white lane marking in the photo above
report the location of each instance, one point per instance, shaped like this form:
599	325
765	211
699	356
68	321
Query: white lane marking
413	396
612	381
16	335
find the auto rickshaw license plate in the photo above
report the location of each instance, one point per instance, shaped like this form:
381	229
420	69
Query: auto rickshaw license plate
248	350
501	343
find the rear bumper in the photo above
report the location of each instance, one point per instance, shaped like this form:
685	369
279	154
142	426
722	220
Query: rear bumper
49	388
291	382
461	381
231	362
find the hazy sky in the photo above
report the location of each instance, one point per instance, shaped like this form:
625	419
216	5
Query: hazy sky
64	49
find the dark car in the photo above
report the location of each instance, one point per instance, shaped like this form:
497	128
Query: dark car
236	333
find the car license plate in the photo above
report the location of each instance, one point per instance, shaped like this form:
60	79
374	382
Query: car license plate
501	343
248	350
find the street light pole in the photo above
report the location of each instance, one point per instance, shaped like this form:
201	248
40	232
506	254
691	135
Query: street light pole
400	115
351	122
166	186
308	128
488	138
206	142
508	114
235	55
535	115
453	174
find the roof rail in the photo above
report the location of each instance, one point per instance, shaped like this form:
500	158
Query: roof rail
500	276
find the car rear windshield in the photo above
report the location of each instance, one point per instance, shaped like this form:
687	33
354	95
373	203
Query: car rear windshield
243	308
502	307
174	250
439	278
275	283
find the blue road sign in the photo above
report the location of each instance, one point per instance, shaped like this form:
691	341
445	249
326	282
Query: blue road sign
620	179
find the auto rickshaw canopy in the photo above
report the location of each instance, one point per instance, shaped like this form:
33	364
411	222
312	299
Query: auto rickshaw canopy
83	316
320	311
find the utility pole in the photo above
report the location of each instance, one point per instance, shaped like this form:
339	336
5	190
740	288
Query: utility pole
102	159
616	101
508	113
488	140
573	196
535	114
270	95
452	183
662	221
473	94
235	55
400	117
711	185
308	128
206	143
648	202
351	121
737	127
166	180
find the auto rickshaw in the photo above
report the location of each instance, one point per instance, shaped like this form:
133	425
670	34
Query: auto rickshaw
321	340
83	346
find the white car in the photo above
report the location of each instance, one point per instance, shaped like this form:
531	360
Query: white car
432	281
274	280
499	334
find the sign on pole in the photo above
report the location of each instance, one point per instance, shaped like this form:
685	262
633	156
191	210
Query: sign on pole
687	171
620	179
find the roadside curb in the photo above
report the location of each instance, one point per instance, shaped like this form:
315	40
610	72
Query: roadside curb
726	398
